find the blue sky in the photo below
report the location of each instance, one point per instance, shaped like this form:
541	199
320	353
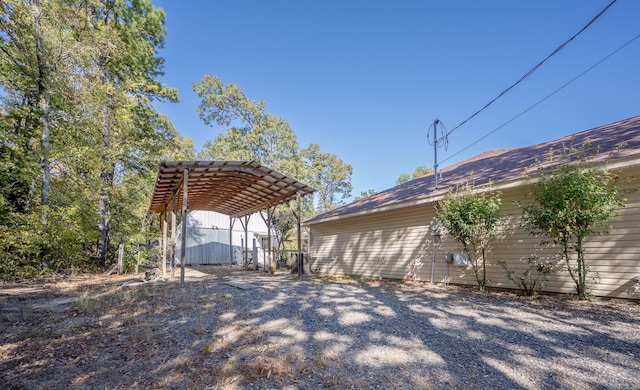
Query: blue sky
366	79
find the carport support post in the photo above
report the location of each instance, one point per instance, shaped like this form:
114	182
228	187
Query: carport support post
231	221
161	243
267	221
173	235
245	245
270	256
185	207
254	254
299	208
163	220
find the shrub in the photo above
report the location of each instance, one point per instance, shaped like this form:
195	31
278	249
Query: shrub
570	203
533	278
473	219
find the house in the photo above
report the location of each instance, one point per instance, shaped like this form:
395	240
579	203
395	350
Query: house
208	238
381	236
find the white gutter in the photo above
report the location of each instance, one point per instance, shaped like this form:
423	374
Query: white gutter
628	162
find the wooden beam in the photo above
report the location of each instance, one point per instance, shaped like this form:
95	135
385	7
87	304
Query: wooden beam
173	235
240	188
231	221
267	221
298	207
185	207
163	222
245	225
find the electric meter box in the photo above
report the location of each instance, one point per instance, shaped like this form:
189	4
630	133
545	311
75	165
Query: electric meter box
436	228
460	259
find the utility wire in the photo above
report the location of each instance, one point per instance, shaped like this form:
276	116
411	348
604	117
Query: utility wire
530	72
543	99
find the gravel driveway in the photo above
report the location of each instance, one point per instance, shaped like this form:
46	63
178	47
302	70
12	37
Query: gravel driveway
277	332
388	335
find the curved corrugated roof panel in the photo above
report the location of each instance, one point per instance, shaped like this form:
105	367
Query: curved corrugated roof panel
234	188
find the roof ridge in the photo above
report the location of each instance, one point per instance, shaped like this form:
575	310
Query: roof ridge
502	165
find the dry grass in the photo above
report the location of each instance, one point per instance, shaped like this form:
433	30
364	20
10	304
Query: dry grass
126	329
164	336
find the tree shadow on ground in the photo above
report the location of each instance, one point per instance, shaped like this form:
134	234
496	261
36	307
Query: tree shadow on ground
308	334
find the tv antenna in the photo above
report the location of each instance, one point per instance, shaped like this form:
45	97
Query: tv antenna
442	140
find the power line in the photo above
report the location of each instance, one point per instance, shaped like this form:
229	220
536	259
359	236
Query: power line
543	99
530	72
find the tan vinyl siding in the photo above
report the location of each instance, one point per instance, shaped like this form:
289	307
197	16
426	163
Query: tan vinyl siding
378	245
384	244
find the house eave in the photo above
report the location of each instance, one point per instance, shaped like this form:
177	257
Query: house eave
626	162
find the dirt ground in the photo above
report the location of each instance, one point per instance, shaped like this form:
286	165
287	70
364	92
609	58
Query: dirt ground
234	329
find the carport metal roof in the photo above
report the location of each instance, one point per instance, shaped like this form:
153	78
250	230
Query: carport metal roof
234	188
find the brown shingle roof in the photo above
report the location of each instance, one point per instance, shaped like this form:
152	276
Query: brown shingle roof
501	166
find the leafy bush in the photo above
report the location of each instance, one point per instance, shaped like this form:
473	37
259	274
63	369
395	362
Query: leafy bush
533	278
571	202
28	248
473	219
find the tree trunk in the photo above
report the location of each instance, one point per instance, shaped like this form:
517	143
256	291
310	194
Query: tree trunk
582	272
106	178
104	224
484	270
43	108
567	259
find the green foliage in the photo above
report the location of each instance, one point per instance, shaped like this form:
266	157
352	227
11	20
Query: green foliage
571	202
329	176
258	136
137	254
79	137
403	178
532	279
29	248
365	194
420	171
253	134
473	219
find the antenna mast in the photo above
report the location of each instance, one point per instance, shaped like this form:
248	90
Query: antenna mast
435	153
437	142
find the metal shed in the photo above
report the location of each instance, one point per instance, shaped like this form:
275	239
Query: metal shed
208	239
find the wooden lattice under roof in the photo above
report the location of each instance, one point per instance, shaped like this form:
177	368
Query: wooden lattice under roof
234	188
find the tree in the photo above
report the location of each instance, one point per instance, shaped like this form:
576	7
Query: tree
36	51
365	194
473	219
403	178
170	144
38	73
123	79
571	202
420	171
329	175
77	127
254	134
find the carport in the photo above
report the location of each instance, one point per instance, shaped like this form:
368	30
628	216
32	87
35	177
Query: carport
234	188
